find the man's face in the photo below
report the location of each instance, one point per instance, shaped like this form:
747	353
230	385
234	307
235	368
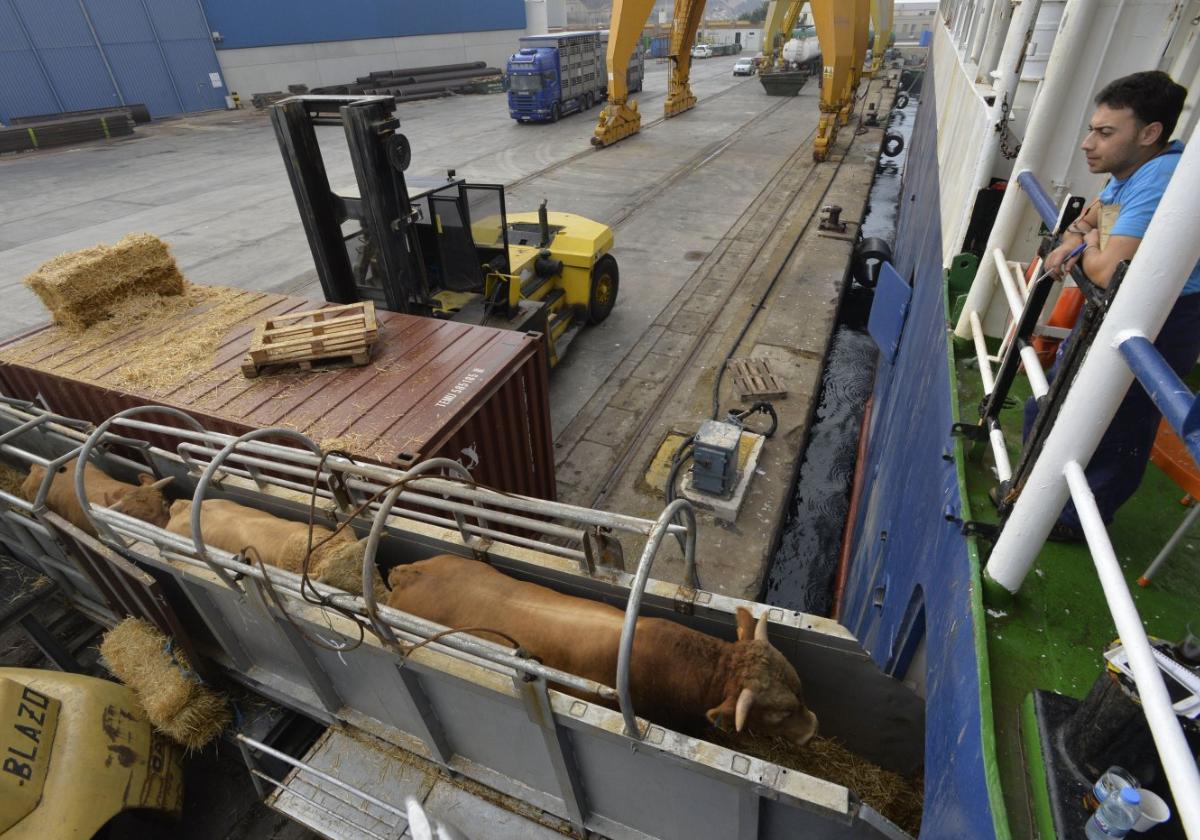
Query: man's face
1117	140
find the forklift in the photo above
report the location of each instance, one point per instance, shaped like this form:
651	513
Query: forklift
438	248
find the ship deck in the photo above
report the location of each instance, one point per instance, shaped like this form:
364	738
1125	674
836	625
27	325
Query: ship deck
1053	634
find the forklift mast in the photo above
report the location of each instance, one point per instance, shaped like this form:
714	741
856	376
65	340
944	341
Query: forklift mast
382	260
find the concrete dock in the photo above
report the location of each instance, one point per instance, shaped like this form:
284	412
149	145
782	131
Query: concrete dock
714	211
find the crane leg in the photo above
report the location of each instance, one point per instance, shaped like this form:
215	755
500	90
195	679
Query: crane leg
881	19
683	37
620	117
862	20
835	31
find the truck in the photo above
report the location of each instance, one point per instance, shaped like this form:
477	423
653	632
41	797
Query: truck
560	73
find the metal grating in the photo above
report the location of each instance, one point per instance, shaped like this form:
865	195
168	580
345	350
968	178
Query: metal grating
753	379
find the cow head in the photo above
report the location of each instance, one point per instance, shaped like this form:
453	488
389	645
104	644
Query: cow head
33	481
143	501
762	691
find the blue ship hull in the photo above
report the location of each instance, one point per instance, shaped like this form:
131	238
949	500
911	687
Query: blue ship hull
912	574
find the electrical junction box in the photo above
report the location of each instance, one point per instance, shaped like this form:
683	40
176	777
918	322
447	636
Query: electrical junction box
715	457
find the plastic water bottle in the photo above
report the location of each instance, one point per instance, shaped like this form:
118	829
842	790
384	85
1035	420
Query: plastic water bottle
1115	816
1113	779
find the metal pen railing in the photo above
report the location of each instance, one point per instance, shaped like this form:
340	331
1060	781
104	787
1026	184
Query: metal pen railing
213	455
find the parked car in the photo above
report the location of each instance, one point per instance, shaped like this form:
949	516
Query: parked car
702	51
743	67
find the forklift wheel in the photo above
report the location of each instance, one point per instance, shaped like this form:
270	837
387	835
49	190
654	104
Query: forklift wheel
606	282
555	112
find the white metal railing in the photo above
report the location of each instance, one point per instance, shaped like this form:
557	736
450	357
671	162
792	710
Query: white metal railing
1017	295
1173	750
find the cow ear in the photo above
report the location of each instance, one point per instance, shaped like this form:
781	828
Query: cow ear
723	716
154	484
745	624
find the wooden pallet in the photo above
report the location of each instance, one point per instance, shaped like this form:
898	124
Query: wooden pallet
344	333
753	379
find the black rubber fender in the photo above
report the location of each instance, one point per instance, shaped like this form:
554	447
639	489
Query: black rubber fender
901	100
893	144
869	256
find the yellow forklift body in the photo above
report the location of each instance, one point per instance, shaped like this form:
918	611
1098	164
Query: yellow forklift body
578	241
76	751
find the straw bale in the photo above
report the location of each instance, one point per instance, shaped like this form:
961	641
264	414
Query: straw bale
176	702
899	798
164	342
11	479
81	287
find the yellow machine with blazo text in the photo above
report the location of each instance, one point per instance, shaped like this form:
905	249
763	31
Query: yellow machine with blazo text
76	751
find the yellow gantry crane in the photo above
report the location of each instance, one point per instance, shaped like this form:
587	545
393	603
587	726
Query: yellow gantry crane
620	117
842	30
777	28
881	19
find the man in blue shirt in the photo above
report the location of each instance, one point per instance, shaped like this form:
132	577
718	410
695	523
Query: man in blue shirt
1129	138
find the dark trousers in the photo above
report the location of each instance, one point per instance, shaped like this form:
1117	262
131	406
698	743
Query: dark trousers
1117	467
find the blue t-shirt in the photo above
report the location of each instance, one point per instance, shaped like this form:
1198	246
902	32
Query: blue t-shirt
1139	194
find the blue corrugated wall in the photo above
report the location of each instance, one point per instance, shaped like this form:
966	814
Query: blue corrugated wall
64	55
908	555
265	23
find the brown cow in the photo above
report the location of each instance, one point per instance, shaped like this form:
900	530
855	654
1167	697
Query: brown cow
144	501
278	542
678	676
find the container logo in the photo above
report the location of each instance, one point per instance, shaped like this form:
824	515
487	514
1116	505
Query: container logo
472	457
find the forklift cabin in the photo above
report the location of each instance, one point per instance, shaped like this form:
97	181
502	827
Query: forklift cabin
436	247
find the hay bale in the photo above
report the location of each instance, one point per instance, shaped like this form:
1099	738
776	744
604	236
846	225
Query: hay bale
175	700
11	480
81	287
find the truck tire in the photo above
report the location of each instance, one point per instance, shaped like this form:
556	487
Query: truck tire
587	102
555	112
606	282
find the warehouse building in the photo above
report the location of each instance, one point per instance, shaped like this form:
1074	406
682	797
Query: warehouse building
180	56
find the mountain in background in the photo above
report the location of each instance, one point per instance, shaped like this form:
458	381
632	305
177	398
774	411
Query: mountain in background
592	13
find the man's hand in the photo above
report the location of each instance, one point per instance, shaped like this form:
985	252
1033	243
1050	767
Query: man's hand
1057	260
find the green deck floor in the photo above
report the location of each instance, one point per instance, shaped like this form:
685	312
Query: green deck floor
1052	634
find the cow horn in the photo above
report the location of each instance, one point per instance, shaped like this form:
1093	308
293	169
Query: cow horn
745	701
161	483
760	629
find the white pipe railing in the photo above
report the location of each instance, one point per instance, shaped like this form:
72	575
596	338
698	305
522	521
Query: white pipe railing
981	353
995	434
1043	131
1173	750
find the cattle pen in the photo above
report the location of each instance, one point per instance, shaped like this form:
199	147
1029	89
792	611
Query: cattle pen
459	703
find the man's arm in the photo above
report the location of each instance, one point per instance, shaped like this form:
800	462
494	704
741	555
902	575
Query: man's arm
1099	265
1073	237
